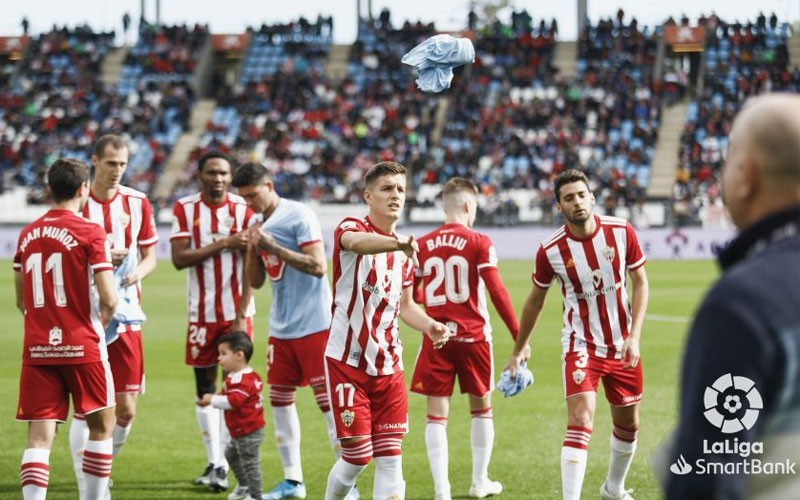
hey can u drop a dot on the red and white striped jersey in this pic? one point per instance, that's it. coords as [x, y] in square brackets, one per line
[57, 256]
[129, 224]
[593, 276]
[451, 259]
[366, 302]
[215, 285]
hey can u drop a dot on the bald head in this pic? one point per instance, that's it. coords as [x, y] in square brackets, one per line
[762, 171]
[769, 128]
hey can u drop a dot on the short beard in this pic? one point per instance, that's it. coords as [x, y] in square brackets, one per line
[578, 221]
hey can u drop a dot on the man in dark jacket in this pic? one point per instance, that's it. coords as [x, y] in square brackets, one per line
[739, 430]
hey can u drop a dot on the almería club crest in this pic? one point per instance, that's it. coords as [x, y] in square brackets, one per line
[609, 253]
[347, 417]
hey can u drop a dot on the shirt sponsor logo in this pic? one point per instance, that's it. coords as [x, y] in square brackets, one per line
[56, 351]
[274, 266]
[383, 293]
[600, 291]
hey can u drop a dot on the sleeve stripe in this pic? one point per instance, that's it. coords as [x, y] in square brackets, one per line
[541, 285]
[177, 236]
[487, 264]
[307, 243]
[17, 266]
[102, 266]
[637, 264]
[148, 242]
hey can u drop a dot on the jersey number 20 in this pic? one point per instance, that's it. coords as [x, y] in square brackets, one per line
[454, 273]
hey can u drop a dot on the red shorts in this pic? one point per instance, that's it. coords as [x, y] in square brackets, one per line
[435, 371]
[44, 390]
[364, 405]
[582, 372]
[126, 357]
[297, 362]
[201, 342]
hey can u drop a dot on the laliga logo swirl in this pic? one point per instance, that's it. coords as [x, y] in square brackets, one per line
[732, 403]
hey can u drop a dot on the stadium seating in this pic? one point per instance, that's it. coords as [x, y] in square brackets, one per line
[741, 60]
[54, 106]
[512, 120]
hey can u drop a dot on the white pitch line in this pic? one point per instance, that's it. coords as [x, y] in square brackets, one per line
[667, 319]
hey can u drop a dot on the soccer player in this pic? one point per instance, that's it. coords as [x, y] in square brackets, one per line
[744, 345]
[373, 275]
[210, 237]
[59, 259]
[456, 265]
[127, 218]
[590, 256]
[292, 254]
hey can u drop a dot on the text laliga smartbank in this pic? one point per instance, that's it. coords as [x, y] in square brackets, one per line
[732, 404]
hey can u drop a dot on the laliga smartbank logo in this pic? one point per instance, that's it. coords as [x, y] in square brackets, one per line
[731, 404]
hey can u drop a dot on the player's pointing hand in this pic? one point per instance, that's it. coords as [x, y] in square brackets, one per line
[409, 246]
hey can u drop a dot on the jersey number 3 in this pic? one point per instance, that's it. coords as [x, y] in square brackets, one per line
[454, 273]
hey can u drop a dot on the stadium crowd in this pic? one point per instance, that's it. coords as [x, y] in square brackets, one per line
[741, 60]
[511, 120]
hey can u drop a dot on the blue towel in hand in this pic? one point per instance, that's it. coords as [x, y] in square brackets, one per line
[435, 59]
[513, 387]
[127, 312]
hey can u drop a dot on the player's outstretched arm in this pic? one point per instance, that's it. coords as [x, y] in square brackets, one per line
[413, 315]
[184, 256]
[500, 298]
[531, 311]
[310, 260]
[107, 293]
[641, 294]
[370, 243]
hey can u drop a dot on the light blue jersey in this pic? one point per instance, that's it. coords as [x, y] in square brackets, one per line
[301, 303]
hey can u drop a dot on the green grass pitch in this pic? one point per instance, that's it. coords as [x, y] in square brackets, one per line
[164, 452]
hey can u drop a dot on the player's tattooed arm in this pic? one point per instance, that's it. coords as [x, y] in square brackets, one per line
[310, 260]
